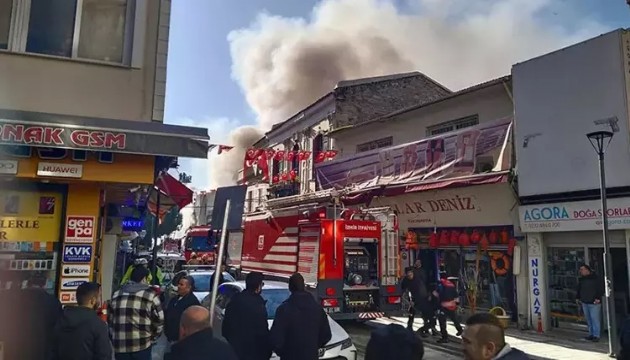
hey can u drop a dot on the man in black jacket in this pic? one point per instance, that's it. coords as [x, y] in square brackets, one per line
[80, 334]
[245, 322]
[416, 287]
[28, 321]
[393, 342]
[301, 326]
[589, 294]
[176, 307]
[196, 339]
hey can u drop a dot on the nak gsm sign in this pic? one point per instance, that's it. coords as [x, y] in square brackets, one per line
[80, 229]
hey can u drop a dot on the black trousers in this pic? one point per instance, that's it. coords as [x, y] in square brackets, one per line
[428, 318]
[444, 314]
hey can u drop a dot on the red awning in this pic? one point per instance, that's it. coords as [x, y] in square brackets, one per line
[172, 193]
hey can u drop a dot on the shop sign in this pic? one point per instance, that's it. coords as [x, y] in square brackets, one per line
[59, 136]
[574, 216]
[8, 167]
[30, 216]
[68, 297]
[72, 283]
[75, 270]
[132, 224]
[77, 253]
[534, 266]
[482, 205]
[80, 229]
[60, 170]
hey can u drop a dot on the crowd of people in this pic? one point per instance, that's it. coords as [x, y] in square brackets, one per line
[136, 318]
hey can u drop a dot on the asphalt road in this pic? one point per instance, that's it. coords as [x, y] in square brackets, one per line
[360, 334]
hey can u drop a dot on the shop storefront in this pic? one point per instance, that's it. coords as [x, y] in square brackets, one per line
[469, 234]
[60, 175]
[560, 238]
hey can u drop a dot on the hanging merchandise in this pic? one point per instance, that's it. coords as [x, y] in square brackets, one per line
[505, 237]
[493, 237]
[284, 176]
[484, 242]
[270, 153]
[292, 174]
[464, 239]
[511, 245]
[433, 240]
[412, 240]
[330, 154]
[454, 237]
[475, 237]
[275, 179]
[444, 238]
[500, 264]
[290, 155]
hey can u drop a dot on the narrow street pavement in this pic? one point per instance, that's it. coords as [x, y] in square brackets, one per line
[555, 345]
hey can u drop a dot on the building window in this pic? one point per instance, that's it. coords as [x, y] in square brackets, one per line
[5, 22]
[82, 29]
[376, 144]
[102, 35]
[453, 125]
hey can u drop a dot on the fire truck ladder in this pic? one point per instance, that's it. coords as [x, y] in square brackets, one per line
[389, 246]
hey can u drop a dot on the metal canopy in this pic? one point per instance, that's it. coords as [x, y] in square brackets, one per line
[98, 134]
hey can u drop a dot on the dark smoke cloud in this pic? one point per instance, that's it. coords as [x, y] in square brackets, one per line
[284, 64]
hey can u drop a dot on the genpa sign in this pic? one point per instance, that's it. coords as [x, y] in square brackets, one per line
[80, 229]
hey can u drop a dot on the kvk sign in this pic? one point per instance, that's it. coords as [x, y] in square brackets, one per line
[80, 229]
[77, 253]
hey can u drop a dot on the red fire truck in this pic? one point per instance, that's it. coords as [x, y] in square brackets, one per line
[199, 240]
[349, 258]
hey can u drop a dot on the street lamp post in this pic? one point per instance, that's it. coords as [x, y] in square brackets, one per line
[600, 141]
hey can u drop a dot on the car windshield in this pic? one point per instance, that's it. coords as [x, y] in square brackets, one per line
[274, 297]
[202, 280]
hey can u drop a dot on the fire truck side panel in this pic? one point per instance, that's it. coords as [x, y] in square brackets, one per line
[331, 268]
[309, 252]
[270, 244]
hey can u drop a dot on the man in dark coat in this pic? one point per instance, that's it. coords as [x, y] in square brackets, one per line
[28, 321]
[449, 300]
[196, 339]
[245, 321]
[301, 326]
[589, 293]
[80, 334]
[416, 287]
[176, 307]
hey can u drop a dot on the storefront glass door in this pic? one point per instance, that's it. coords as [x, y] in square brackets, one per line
[563, 265]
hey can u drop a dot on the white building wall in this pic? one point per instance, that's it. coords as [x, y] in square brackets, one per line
[131, 90]
[489, 104]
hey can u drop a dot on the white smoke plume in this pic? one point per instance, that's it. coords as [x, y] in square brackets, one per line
[284, 64]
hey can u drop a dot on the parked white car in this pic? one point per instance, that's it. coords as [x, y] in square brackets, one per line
[275, 293]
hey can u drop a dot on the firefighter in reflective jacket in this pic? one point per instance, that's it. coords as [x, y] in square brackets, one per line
[142, 262]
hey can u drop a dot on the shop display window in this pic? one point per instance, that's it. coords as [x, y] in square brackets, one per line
[21, 262]
[563, 265]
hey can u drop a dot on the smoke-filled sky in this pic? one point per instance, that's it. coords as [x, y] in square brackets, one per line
[254, 63]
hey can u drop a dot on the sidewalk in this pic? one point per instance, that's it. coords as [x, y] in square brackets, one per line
[556, 345]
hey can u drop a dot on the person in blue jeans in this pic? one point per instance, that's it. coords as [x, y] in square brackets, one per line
[589, 293]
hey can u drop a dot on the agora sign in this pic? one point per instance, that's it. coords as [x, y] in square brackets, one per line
[19, 134]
